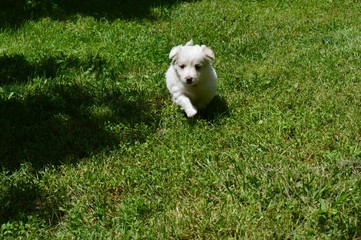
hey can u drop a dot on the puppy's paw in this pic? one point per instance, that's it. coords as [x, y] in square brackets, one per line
[191, 112]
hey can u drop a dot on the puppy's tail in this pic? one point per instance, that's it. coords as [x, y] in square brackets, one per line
[190, 43]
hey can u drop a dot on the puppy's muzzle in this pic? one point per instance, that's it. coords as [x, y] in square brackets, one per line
[189, 80]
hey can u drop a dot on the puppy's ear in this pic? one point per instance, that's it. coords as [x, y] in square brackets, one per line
[174, 52]
[190, 43]
[208, 52]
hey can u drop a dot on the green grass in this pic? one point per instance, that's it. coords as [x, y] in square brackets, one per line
[92, 147]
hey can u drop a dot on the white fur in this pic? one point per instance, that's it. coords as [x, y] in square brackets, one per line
[190, 78]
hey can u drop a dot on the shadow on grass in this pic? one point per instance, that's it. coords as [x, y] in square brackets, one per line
[15, 12]
[15, 69]
[22, 197]
[216, 109]
[50, 129]
[61, 121]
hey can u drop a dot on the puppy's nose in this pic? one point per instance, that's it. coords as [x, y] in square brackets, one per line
[189, 80]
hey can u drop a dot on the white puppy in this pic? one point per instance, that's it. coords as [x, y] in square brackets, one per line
[191, 79]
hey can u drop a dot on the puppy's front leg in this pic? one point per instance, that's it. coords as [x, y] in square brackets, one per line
[186, 105]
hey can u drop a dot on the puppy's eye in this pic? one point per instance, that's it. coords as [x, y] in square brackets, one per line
[198, 66]
[182, 66]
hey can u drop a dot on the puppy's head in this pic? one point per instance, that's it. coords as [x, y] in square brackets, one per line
[191, 61]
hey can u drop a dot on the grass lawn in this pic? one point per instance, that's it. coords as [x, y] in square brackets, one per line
[92, 147]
